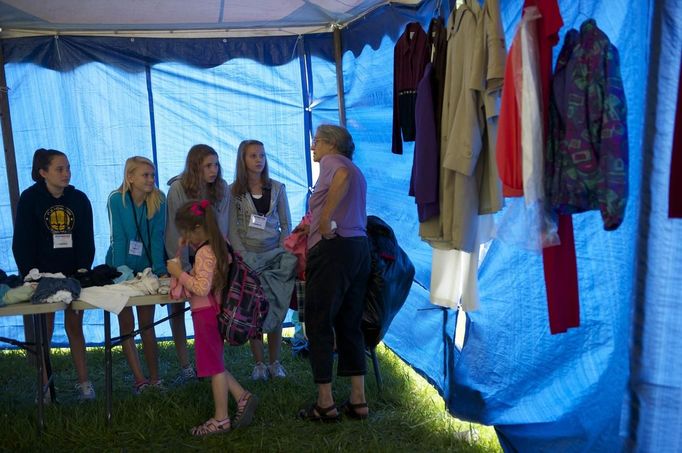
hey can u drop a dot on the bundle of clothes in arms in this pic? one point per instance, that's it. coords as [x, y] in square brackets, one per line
[499, 132]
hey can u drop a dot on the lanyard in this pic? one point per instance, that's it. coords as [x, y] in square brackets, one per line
[137, 227]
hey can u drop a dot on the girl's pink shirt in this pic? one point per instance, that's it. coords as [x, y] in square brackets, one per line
[197, 284]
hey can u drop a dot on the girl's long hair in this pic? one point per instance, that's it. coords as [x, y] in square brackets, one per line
[192, 177]
[201, 213]
[241, 175]
[154, 198]
[42, 159]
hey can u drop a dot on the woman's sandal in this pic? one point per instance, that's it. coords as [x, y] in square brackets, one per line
[246, 408]
[211, 426]
[315, 413]
[350, 410]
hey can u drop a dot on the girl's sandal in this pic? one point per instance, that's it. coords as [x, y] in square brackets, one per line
[315, 413]
[246, 408]
[210, 427]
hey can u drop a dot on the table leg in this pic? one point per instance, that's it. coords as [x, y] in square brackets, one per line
[108, 387]
[45, 341]
[39, 362]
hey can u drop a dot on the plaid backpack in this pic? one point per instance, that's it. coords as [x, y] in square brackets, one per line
[243, 305]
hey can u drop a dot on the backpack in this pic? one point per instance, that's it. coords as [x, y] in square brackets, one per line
[389, 283]
[243, 305]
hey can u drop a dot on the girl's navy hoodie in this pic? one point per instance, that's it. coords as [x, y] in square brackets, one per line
[39, 216]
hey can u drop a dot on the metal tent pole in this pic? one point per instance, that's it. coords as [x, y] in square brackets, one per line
[338, 57]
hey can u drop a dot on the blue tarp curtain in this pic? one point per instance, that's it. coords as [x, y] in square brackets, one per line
[100, 114]
[542, 392]
[655, 384]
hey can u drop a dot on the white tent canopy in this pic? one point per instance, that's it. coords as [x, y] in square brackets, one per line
[181, 18]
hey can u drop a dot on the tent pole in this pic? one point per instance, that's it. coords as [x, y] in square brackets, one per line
[306, 89]
[152, 121]
[339, 76]
[8, 139]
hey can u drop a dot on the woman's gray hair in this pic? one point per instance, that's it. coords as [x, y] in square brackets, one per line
[338, 137]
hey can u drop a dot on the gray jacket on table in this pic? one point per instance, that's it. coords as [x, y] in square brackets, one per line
[278, 225]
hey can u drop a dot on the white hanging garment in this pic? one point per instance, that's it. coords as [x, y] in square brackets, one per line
[524, 222]
[530, 110]
[454, 273]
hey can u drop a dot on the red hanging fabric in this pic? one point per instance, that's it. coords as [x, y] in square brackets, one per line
[561, 273]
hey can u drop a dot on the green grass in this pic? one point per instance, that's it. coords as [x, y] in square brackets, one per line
[408, 415]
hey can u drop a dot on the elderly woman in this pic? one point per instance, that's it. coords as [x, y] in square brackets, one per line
[337, 272]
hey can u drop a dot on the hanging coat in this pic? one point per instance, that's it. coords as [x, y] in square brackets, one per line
[461, 140]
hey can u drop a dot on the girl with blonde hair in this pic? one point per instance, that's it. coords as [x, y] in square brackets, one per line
[137, 220]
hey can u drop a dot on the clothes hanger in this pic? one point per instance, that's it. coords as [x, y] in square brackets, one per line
[581, 13]
[437, 10]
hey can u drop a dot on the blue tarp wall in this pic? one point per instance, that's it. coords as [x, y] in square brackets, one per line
[102, 100]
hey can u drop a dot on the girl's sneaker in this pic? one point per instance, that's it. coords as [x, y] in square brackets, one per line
[140, 387]
[159, 386]
[86, 392]
[276, 370]
[260, 372]
[185, 375]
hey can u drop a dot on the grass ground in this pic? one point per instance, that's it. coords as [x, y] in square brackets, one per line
[408, 415]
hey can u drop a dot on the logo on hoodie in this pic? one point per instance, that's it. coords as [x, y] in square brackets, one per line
[59, 219]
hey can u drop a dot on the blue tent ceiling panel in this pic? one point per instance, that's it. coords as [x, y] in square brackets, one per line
[63, 53]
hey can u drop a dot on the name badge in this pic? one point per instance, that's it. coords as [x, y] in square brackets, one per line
[62, 241]
[258, 221]
[135, 248]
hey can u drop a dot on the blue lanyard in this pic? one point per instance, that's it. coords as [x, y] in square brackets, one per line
[137, 227]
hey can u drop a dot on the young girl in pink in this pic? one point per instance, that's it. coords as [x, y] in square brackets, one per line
[198, 227]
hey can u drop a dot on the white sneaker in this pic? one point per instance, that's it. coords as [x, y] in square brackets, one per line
[86, 391]
[260, 372]
[276, 370]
